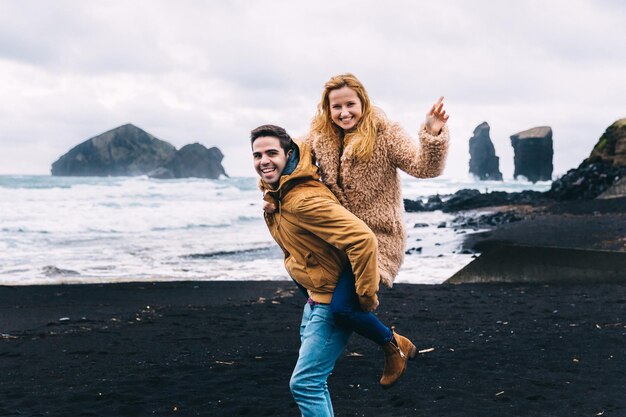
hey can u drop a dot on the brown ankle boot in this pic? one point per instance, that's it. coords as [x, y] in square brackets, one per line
[397, 351]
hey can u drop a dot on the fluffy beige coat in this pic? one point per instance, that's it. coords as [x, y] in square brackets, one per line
[371, 189]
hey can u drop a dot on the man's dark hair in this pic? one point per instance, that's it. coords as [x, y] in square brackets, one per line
[274, 131]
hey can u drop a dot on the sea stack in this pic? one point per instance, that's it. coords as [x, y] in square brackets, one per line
[484, 164]
[533, 153]
[124, 151]
[193, 160]
[129, 151]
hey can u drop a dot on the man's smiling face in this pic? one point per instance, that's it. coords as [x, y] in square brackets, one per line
[269, 159]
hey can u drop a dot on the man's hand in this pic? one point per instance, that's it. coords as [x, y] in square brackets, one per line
[269, 207]
[436, 118]
[368, 303]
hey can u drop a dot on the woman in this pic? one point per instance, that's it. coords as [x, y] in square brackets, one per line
[359, 152]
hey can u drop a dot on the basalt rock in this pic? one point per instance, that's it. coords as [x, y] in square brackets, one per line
[471, 199]
[412, 206]
[129, 151]
[617, 190]
[489, 220]
[196, 160]
[604, 167]
[123, 151]
[193, 160]
[611, 148]
[586, 182]
[461, 199]
[533, 153]
[468, 199]
[434, 203]
[484, 164]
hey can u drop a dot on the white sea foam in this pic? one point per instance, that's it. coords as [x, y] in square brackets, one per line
[136, 229]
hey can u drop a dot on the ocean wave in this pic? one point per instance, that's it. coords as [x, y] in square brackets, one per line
[250, 218]
[191, 226]
[52, 271]
[226, 253]
[24, 230]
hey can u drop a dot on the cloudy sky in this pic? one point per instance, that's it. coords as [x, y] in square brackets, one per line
[210, 71]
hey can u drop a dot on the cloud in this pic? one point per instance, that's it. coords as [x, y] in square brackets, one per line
[211, 71]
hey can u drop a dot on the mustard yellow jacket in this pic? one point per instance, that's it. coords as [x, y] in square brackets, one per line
[318, 236]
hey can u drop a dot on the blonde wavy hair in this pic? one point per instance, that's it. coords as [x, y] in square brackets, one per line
[364, 135]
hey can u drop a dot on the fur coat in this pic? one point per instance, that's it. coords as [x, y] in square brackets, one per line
[371, 189]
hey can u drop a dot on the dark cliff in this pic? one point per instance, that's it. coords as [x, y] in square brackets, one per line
[611, 147]
[597, 174]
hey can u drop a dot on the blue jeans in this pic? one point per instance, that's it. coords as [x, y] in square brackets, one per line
[322, 343]
[347, 311]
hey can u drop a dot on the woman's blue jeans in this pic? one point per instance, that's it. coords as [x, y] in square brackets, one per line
[348, 313]
[322, 343]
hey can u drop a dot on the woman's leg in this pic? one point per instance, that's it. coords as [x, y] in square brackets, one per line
[347, 312]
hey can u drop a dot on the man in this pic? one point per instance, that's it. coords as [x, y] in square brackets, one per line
[320, 239]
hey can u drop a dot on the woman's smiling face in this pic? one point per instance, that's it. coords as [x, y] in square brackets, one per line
[345, 107]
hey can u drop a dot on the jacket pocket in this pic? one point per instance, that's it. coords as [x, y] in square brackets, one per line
[317, 274]
[298, 272]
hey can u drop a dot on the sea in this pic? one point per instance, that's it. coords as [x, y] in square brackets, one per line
[80, 230]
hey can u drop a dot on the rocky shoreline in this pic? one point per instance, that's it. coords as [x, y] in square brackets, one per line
[584, 183]
[532, 236]
[596, 177]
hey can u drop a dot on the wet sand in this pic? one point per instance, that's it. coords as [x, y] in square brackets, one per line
[227, 349]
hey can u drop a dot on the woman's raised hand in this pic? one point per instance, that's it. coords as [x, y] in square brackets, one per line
[436, 118]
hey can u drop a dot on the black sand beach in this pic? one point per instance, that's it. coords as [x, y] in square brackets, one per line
[227, 349]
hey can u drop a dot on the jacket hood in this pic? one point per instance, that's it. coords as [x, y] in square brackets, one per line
[304, 170]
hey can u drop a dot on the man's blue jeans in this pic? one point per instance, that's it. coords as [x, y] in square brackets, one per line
[347, 310]
[322, 343]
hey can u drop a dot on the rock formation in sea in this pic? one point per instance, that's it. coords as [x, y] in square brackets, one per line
[484, 164]
[193, 160]
[604, 167]
[123, 151]
[129, 151]
[533, 153]
[469, 199]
